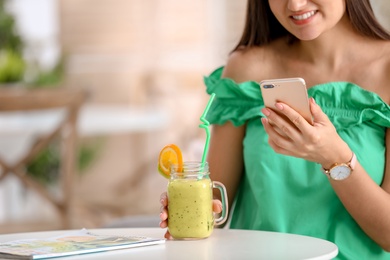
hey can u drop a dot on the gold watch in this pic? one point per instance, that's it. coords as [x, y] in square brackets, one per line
[340, 171]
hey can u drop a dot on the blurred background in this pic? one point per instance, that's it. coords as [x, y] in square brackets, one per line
[141, 64]
[144, 60]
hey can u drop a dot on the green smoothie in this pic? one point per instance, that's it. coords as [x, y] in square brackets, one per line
[190, 208]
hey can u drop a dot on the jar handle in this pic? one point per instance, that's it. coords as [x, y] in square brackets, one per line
[224, 198]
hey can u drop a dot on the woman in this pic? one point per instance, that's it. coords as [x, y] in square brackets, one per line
[273, 171]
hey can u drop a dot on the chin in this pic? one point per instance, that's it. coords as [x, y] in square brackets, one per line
[308, 37]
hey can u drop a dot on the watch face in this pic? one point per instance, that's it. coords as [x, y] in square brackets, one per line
[340, 172]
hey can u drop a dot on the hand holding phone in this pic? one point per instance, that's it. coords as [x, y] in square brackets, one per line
[291, 91]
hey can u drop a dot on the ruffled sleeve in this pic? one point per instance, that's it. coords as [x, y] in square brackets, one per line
[347, 105]
[234, 102]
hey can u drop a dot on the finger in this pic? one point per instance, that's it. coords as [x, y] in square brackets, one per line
[295, 118]
[277, 129]
[318, 115]
[281, 124]
[163, 214]
[278, 149]
[273, 136]
[217, 206]
[163, 224]
[164, 218]
[164, 199]
[168, 236]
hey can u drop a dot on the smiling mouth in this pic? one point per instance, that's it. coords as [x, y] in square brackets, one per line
[304, 16]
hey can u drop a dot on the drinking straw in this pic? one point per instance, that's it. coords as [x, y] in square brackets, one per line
[206, 125]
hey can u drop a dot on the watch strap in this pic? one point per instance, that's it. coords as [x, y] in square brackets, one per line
[352, 162]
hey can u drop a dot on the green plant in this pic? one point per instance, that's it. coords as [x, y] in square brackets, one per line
[12, 64]
[9, 39]
[49, 78]
[45, 167]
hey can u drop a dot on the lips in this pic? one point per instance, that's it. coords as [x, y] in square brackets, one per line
[304, 16]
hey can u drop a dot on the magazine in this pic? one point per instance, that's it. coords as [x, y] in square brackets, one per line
[71, 243]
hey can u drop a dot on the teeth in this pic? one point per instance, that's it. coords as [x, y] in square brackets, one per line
[304, 16]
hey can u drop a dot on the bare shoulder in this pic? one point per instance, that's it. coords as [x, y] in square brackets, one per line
[382, 71]
[386, 56]
[248, 64]
[371, 68]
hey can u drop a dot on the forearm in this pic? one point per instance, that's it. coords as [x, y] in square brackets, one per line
[367, 203]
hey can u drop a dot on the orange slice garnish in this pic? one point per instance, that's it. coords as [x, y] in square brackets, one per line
[170, 154]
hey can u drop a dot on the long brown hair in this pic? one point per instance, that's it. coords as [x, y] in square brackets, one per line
[262, 27]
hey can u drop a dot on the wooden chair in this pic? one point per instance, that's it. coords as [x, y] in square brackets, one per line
[14, 100]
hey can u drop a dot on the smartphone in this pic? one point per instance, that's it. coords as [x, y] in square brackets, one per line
[291, 91]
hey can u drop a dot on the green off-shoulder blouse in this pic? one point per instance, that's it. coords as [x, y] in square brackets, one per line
[291, 195]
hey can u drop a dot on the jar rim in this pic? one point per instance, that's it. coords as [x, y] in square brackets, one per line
[191, 168]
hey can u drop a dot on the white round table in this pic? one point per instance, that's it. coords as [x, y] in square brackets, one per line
[222, 244]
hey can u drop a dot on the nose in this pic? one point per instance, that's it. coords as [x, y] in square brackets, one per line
[296, 5]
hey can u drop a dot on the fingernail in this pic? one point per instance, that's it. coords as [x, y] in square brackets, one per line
[265, 111]
[313, 100]
[279, 106]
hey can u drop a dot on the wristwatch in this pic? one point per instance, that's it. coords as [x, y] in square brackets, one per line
[340, 171]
